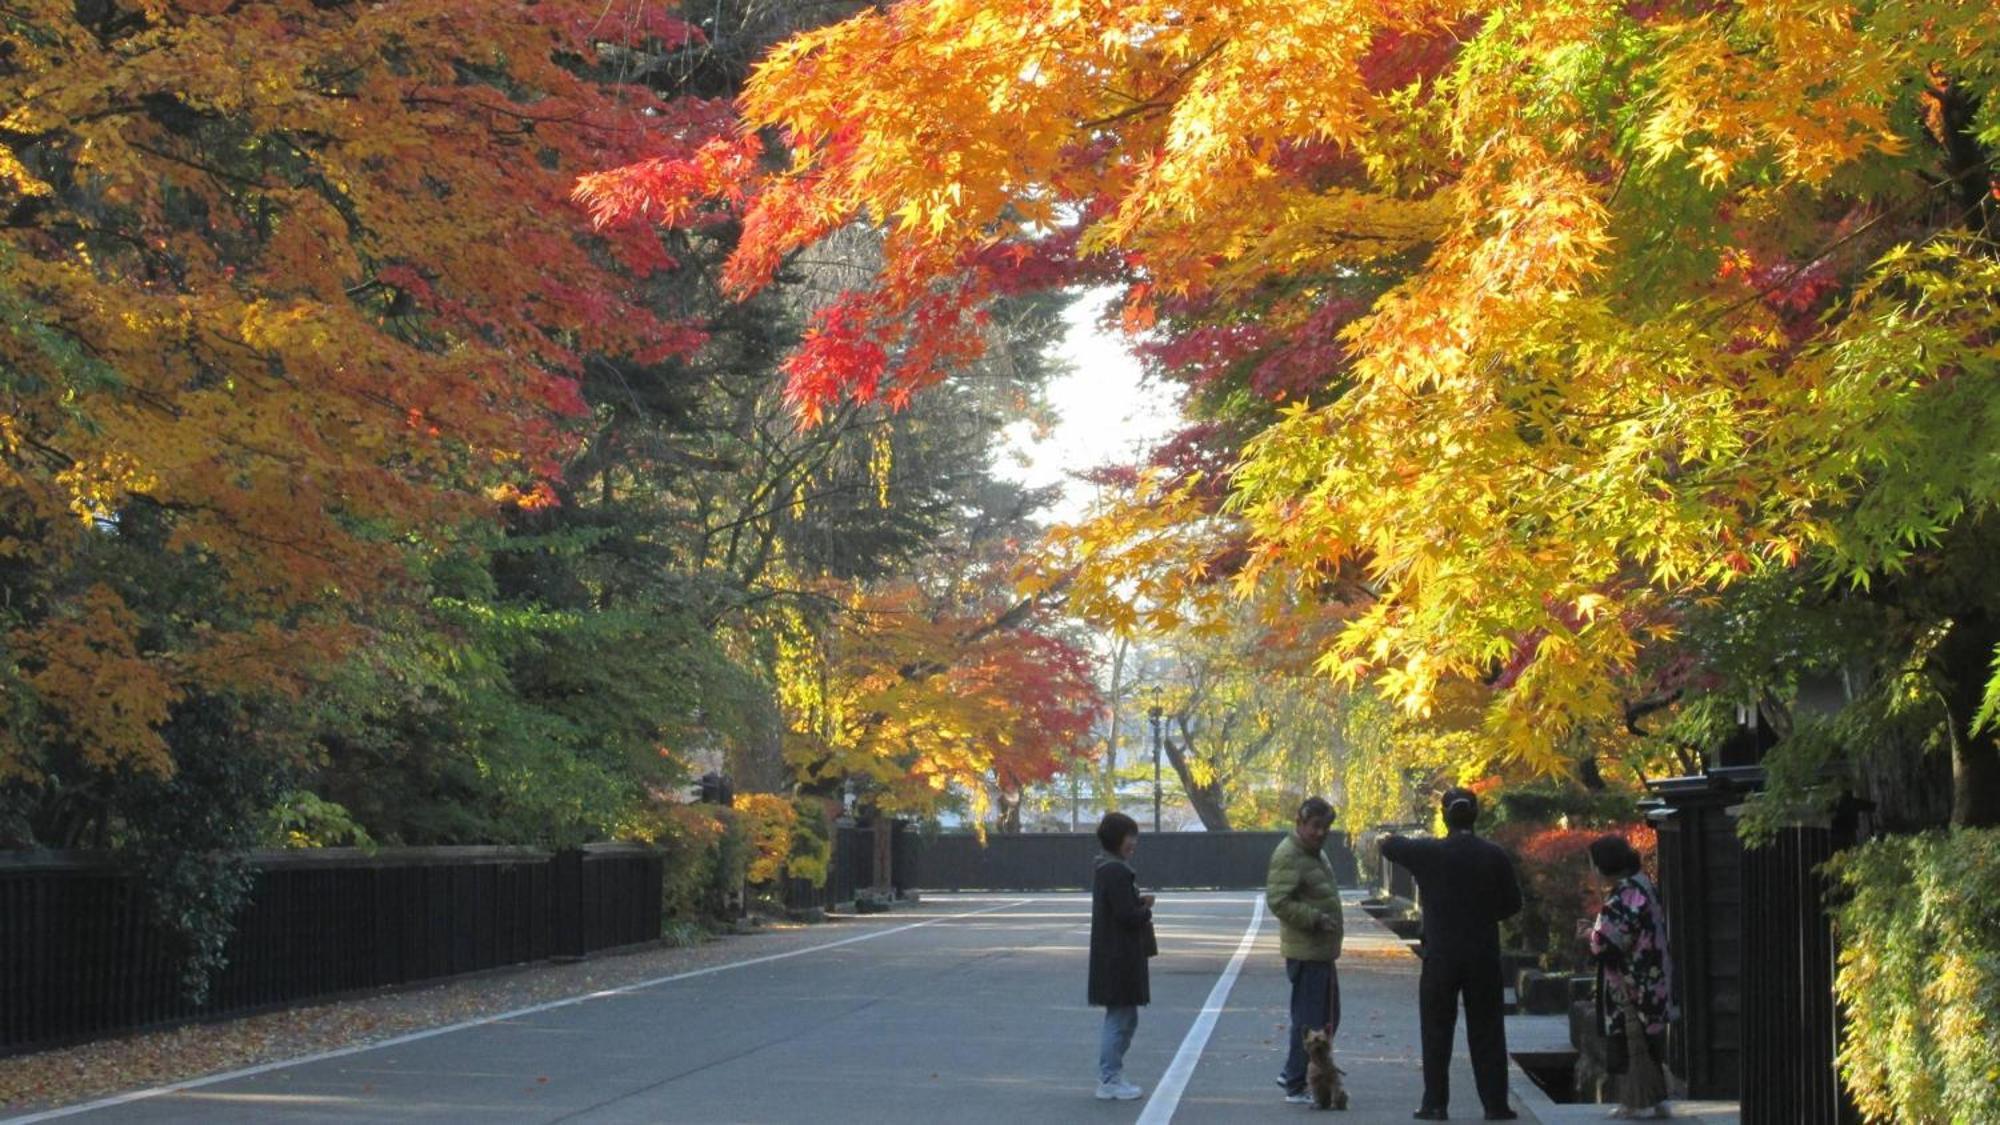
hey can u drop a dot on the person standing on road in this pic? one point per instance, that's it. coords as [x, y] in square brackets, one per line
[1305, 897]
[1121, 938]
[1635, 979]
[1466, 886]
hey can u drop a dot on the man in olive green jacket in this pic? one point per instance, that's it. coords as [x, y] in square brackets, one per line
[1303, 893]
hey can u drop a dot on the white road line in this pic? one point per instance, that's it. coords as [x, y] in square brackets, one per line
[431, 1033]
[1167, 1094]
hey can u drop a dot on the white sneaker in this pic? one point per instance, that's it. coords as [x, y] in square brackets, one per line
[1120, 1091]
[1301, 1098]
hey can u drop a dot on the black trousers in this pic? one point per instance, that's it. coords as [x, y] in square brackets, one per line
[1477, 979]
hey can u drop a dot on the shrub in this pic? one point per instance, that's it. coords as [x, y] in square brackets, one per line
[1545, 804]
[1920, 975]
[788, 836]
[769, 820]
[302, 819]
[812, 843]
[705, 851]
[1558, 887]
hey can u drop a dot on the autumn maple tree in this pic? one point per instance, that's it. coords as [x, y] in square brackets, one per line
[358, 491]
[285, 284]
[1576, 316]
[938, 691]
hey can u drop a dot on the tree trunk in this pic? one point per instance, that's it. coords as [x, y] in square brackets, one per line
[1206, 799]
[1587, 774]
[1909, 788]
[1965, 661]
[1009, 823]
[1107, 782]
[1950, 113]
[757, 760]
[1975, 784]
[1074, 766]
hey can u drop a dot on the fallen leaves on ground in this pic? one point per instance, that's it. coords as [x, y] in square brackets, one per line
[158, 1058]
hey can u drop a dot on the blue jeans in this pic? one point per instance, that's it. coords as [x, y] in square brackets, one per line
[1315, 1003]
[1119, 1024]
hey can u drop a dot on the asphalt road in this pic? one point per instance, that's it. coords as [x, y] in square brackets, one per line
[964, 1009]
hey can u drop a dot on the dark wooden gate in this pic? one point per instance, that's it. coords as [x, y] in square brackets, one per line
[1789, 1013]
[849, 868]
[1754, 953]
[1701, 878]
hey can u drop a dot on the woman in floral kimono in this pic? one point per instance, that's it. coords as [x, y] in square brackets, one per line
[1629, 942]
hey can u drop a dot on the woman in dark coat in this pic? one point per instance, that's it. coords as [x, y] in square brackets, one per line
[1121, 938]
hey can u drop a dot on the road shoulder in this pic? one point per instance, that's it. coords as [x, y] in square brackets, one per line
[107, 1067]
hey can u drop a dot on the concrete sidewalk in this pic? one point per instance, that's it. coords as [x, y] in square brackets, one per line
[1551, 1033]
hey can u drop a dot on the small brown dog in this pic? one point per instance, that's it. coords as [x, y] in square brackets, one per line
[1322, 1077]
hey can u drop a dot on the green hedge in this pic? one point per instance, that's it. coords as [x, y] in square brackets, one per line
[1920, 976]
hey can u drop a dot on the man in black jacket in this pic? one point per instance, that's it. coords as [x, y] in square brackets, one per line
[1466, 886]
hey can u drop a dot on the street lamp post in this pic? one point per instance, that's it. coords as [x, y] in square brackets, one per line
[1154, 713]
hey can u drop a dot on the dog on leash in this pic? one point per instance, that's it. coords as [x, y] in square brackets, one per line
[1322, 1077]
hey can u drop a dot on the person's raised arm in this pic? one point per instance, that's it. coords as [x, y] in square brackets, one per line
[1402, 849]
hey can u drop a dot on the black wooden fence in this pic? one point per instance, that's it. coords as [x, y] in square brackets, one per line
[1754, 953]
[1790, 1018]
[78, 956]
[1054, 861]
[1701, 878]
